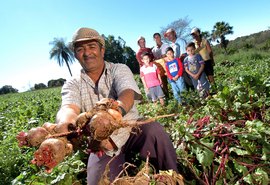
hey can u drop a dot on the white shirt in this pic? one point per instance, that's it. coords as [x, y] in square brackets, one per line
[159, 51]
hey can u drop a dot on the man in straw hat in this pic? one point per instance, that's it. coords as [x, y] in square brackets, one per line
[100, 79]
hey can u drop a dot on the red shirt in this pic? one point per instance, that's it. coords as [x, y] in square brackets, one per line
[140, 52]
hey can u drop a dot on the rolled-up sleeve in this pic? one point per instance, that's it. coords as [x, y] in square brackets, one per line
[71, 93]
[124, 79]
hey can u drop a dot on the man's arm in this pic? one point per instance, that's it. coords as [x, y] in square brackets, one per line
[66, 115]
[209, 49]
[197, 76]
[126, 100]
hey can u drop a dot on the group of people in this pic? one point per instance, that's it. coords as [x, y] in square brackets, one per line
[183, 65]
[100, 79]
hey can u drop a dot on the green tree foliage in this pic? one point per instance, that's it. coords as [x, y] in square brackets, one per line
[8, 89]
[130, 60]
[219, 31]
[40, 86]
[117, 52]
[206, 35]
[56, 83]
[61, 53]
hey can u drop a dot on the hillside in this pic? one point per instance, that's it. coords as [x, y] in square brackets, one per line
[259, 41]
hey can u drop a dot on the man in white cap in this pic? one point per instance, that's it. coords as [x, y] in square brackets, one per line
[178, 44]
[100, 79]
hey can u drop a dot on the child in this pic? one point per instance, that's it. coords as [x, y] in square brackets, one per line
[174, 69]
[194, 66]
[151, 78]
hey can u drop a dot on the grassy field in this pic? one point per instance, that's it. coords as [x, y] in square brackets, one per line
[224, 139]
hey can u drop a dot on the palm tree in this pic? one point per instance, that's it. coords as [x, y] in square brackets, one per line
[220, 30]
[206, 35]
[61, 53]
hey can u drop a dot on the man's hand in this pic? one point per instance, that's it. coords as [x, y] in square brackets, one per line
[107, 145]
[100, 147]
[64, 127]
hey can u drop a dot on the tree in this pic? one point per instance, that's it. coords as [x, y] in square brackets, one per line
[56, 83]
[40, 86]
[8, 89]
[114, 49]
[181, 27]
[219, 31]
[130, 60]
[117, 52]
[61, 53]
[206, 35]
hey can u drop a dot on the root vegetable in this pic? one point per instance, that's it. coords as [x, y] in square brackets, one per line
[37, 135]
[51, 152]
[22, 139]
[50, 127]
[143, 177]
[171, 178]
[102, 125]
[33, 137]
[115, 114]
[98, 123]
[105, 104]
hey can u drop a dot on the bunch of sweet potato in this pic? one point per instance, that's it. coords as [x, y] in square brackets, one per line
[51, 150]
[98, 124]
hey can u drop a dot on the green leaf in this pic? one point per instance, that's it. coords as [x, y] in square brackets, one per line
[204, 156]
[238, 151]
[261, 177]
[240, 168]
[266, 152]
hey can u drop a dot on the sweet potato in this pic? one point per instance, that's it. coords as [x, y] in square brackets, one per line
[50, 127]
[51, 152]
[33, 137]
[102, 125]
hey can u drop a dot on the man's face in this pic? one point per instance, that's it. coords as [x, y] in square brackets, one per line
[141, 43]
[195, 36]
[171, 36]
[157, 39]
[90, 55]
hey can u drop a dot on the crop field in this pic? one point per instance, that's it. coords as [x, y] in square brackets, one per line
[224, 139]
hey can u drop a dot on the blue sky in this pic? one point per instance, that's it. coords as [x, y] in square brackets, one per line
[27, 27]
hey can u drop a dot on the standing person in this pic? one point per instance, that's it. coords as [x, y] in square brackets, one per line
[159, 52]
[194, 66]
[151, 79]
[178, 44]
[205, 50]
[174, 68]
[100, 79]
[179, 48]
[142, 48]
[142, 44]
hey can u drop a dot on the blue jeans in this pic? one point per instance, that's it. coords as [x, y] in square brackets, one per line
[178, 87]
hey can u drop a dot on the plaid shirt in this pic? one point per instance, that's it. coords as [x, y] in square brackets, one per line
[84, 93]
